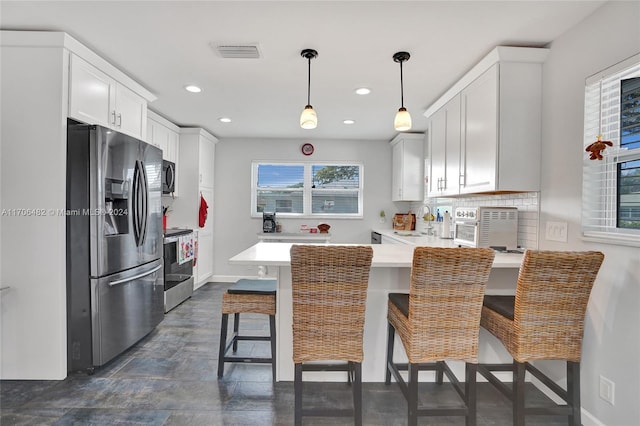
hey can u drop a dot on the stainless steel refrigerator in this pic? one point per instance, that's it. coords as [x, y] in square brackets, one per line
[115, 284]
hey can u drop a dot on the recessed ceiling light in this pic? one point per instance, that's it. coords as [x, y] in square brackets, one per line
[224, 120]
[349, 121]
[363, 91]
[193, 89]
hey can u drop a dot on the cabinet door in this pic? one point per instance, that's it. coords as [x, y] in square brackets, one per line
[444, 130]
[91, 94]
[131, 112]
[480, 133]
[172, 146]
[206, 163]
[396, 172]
[438, 157]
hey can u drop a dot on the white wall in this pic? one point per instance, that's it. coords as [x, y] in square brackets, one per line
[235, 230]
[611, 345]
[33, 133]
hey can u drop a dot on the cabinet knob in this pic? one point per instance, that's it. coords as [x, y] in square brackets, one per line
[119, 120]
[113, 117]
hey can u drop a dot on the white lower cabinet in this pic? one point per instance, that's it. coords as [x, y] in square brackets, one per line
[388, 240]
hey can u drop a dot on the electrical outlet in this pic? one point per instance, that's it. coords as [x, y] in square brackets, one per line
[607, 389]
[557, 231]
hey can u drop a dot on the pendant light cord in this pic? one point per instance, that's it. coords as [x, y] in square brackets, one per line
[401, 87]
[309, 84]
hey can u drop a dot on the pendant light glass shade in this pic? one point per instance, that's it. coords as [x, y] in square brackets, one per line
[402, 122]
[309, 118]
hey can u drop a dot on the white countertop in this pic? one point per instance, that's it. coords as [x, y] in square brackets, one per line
[384, 255]
[415, 238]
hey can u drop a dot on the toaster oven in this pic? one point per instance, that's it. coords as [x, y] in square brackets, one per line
[495, 227]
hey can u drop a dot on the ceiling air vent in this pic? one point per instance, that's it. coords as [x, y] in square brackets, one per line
[238, 51]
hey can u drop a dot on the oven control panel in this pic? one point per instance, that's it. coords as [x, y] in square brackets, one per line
[466, 213]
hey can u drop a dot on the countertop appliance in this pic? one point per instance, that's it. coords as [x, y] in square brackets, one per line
[178, 267]
[115, 283]
[376, 238]
[486, 227]
[268, 222]
[168, 177]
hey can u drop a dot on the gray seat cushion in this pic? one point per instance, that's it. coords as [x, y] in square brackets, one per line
[401, 300]
[246, 286]
[504, 305]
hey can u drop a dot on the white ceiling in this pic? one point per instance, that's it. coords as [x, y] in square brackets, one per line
[166, 45]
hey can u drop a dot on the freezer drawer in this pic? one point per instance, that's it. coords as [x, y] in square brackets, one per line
[125, 307]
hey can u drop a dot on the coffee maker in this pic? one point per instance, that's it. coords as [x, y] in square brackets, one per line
[268, 222]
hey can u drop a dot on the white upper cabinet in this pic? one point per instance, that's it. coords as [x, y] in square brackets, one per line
[444, 143]
[163, 134]
[407, 167]
[96, 98]
[498, 124]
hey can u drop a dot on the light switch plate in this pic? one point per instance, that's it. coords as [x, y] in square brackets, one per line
[557, 231]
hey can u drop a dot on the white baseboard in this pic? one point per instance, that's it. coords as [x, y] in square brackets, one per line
[588, 419]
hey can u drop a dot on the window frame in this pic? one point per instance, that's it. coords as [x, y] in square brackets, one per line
[307, 190]
[600, 177]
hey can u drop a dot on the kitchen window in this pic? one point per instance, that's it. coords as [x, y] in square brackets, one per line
[307, 189]
[611, 186]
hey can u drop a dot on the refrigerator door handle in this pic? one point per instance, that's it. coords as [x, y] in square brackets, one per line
[135, 194]
[139, 203]
[135, 277]
[145, 204]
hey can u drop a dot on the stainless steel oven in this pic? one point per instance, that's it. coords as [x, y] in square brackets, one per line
[178, 267]
[495, 227]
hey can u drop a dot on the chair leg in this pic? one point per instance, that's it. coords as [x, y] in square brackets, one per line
[519, 370]
[297, 390]
[573, 392]
[390, 342]
[470, 393]
[412, 400]
[272, 332]
[357, 393]
[236, 326]
[223, 344]
[439, 372]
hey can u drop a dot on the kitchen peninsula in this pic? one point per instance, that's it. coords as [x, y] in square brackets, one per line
[390, 272]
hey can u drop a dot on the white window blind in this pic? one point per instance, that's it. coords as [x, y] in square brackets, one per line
[327, 190]
[600, 177]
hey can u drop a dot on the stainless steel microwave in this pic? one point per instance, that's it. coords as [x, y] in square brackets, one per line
[168, 177]
[486, 227]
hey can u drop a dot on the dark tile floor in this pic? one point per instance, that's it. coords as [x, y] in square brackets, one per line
[170, 378]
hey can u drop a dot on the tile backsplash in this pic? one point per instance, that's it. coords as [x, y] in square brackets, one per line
[528, 211]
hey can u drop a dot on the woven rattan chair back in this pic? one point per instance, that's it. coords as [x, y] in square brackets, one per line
[445, 301]
[329, 285]
[551, 300]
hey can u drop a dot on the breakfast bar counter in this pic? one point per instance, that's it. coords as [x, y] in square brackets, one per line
[390, 272]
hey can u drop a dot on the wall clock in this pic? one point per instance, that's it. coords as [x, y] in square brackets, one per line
[307, 149]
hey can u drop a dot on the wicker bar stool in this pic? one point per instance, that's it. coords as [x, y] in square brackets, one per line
[439, 320]
[545, 320]
[329, 285]
[248, 296]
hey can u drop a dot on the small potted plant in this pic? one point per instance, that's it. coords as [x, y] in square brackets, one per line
[383, 216]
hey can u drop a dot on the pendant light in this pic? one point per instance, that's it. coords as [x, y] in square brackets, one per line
[308, 118]
[402, 121]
